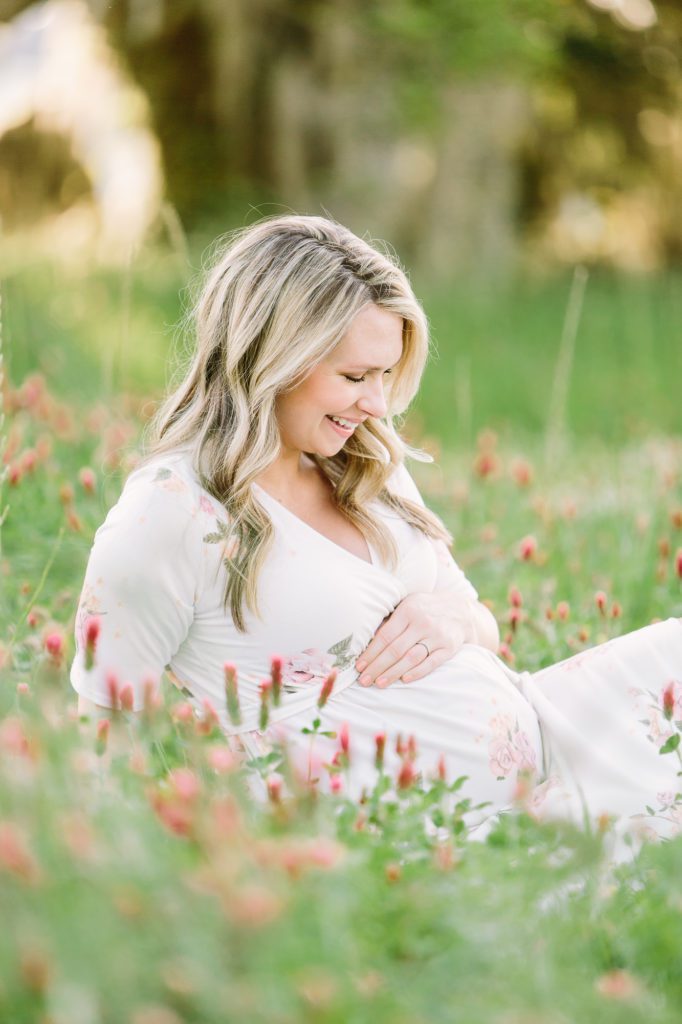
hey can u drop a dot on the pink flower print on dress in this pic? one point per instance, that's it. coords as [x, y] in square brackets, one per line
[524, 751]
[540, 793]
[311, 666]
[170, 481]
[509, 747]
[501, 725]
[501, 755]
[670, 809]
[579, 660]
[659, 712]
[658, 729]
[206, 506]
[306, 667]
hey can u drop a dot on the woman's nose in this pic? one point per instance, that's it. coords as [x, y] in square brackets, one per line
[373, 400]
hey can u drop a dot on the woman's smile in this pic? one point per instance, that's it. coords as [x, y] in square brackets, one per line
[355, 373]
[342, 426]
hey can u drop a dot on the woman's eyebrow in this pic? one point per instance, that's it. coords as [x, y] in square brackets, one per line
[369, 369]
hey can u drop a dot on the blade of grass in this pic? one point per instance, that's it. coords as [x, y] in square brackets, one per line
[555, 434]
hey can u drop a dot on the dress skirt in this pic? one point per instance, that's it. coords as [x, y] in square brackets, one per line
[579, 740]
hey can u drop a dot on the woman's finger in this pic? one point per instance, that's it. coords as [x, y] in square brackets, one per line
[415, 658]
[406, 617]
[388, 657]
[388, 631]
[434, 660]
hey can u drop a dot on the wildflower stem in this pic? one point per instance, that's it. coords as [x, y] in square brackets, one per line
[21, 624]
[310, 757]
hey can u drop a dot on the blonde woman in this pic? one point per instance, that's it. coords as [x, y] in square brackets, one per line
[274, 515]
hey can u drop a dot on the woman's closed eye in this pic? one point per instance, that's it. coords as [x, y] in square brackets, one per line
[359, 380]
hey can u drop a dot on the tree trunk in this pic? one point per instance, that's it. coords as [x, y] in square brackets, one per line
[470, 225]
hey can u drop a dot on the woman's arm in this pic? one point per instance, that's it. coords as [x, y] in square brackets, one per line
[479, 623]
[143, 576]
[439, 621]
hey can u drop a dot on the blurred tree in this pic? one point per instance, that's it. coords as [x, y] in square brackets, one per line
[423, 120]
[399, 115]
[608, 125]
[449, 127]
[51, 179]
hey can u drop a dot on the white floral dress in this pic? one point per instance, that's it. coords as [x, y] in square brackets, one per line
[587, 729]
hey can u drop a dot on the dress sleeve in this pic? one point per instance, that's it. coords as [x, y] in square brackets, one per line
[142, 582]
[449, 576]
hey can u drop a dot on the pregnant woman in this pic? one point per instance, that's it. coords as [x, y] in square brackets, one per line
[274, 515]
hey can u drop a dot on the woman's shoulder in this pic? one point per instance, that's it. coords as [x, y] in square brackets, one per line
[169, 484]
[172, 471]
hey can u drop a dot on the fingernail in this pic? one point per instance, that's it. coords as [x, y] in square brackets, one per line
[360, 665]
[365, 680]
[382, 680]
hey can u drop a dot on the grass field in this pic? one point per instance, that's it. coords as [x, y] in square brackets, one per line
[494, 358]
[156, 892]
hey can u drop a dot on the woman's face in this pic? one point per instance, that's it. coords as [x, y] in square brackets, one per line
[348, 383]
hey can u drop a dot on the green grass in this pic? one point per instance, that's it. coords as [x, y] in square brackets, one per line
[497, 357]
[495, 354]
[111, 915]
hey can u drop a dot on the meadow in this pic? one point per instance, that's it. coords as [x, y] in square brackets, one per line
[139, 881]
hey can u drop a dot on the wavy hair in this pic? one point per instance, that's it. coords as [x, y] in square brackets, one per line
[279, 296]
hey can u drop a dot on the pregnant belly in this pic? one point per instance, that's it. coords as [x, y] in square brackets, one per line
[467, 711]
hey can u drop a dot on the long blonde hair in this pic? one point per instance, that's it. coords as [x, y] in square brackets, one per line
[278, 298]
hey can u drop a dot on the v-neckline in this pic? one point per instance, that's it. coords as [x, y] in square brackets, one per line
[374, 563]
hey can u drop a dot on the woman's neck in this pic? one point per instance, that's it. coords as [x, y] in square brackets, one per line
[289, 479]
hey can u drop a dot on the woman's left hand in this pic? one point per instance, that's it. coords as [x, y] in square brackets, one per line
[437, 623]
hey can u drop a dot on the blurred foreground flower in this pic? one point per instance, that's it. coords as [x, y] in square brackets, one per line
[527, 547]
[87, 479]
[102, 736]
[668, 701]
[326, 689]
[54, 645]
[521, 472]
[231, 693]
[506, 653]
[15, 854]
[92, 631]
[222, 760]
[619, 985]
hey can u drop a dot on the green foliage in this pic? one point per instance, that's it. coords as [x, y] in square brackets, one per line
[150, 888]
[497, 36]
[158, 890]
